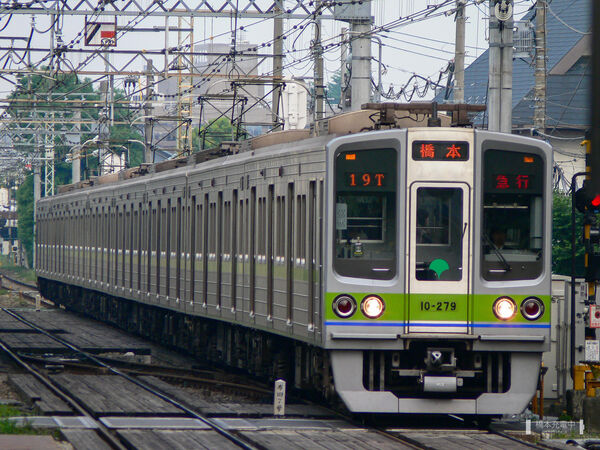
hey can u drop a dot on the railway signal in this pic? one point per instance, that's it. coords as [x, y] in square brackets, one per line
[586, 201]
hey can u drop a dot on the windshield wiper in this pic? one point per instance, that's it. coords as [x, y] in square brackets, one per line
[501, 258]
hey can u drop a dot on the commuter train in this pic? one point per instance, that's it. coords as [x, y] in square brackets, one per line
[408, 268]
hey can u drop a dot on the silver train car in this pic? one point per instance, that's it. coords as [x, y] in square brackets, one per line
[408, 269]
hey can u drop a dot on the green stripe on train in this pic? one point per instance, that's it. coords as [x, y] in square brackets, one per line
[446, 307]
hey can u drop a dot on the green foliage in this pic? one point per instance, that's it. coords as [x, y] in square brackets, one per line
[120, 135]
[42, 97]
[565, 417]
[334, 88]
[48, 94]
[215, 132]
[9, 427]
[18, 272]
[25, 217]
[561, 237]
[9, 411]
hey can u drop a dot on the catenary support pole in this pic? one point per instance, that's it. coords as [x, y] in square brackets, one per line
[361, 63]
[459, 53]
[539, 112]
[148, 153]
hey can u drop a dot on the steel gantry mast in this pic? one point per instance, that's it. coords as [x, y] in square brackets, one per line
[55, 120]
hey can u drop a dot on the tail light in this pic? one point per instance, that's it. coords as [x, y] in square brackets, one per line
[344, 306]
[504, 308]
[532, 308]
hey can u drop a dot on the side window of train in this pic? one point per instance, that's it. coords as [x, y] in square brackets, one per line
[365, 213]
[513, 203]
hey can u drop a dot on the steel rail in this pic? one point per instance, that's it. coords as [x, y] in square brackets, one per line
[222, 431]
[103, 430]
[19, 282]
[158, 371]
[512, 438]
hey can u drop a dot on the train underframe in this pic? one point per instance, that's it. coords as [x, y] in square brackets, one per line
[434, 377]
[461, 382]
[262, 354]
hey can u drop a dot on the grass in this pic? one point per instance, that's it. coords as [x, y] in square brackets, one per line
[9, 427]
[21, 273]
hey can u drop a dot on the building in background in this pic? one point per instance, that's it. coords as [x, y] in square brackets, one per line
[568, 70]
[213, 97]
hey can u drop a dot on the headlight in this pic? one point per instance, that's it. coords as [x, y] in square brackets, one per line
[372, 306]
[344, 306]
[504, 308]
[532, 308]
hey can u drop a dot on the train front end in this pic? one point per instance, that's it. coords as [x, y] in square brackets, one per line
[438, 270]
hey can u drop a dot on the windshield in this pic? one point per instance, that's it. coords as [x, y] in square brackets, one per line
[512, 215]
[439, 234]
[365, 213]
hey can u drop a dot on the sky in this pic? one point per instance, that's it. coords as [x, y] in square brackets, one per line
[423, 47]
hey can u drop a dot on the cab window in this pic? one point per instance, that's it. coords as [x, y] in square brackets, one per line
[512, 231]
[365, 213]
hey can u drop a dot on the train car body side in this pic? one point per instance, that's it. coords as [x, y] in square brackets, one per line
[381, 250]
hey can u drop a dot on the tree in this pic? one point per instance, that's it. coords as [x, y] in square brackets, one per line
[25, 217]
[561, 237]
[39, 97]
[334, 88]
[215, 132]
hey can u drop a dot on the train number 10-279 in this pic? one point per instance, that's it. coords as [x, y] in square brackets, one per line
[438, 306]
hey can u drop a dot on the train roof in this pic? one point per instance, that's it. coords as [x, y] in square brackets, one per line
[372, 117]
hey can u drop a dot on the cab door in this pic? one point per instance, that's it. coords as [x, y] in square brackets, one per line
[438, 243]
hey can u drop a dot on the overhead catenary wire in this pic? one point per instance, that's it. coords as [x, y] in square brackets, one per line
[302, 63]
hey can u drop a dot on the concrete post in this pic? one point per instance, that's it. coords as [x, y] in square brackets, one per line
[507, 75]
[361, 63]
[459, 53]
[318, 72]
[494, 72]
[148, 153]
[76, 155]
[277, 70]
[539, 113]
[343, 71]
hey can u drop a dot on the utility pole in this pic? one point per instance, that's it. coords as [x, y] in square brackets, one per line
[500, 66]
[184, 85]
[494, 72]
[277, 69]
[148, 152]
[318, 56]
[104, 123]
[103, 132]
[36, 165]
[49, 116]
[539, 113]
[459, 53]
[595, 98]
[507, 73]
[344, 82]
[76, 156]
[361, 62]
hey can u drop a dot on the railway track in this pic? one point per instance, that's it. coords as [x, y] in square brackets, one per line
[258, 431]
[84, 409]
[14, 283]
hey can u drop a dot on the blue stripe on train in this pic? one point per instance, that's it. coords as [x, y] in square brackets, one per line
[421, 324]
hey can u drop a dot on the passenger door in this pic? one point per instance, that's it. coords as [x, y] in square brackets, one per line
[438, 238]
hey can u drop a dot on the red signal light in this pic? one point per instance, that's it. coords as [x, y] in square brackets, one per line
[596, 200]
